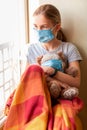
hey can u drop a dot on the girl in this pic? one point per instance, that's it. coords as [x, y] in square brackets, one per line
[47, 24]
[30, 107]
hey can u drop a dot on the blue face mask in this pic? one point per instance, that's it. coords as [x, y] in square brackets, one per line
[44, 35]
[54, 63]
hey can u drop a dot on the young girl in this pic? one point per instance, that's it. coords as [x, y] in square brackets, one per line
[29, 107]
[47, 24]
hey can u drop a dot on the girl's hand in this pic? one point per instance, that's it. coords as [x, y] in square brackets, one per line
[38, 60]
[48, 70]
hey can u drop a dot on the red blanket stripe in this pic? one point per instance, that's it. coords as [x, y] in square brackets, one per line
[29, 107]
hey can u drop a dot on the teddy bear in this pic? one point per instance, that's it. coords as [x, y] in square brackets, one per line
[58, 62]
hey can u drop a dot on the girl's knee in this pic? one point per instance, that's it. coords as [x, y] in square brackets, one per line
[35, 68]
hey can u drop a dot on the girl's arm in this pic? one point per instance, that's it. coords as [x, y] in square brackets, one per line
[65, 78]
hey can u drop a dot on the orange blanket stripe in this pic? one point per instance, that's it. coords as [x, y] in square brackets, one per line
[29, 107]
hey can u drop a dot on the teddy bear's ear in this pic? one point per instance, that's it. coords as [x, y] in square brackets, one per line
[61, 56]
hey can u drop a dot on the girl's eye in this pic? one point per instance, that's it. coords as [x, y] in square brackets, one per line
[34, 27]
[45, 27]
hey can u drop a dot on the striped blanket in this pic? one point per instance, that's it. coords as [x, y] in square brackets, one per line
[29, 107]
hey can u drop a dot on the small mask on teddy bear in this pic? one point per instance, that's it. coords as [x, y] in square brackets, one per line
[58, 62]
[55, 60]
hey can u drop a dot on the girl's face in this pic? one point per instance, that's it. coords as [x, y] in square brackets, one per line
[40, 22]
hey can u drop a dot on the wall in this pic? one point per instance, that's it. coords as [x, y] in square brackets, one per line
[74, 23]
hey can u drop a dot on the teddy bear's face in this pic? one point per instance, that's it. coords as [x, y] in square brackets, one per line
[58, 57]
[50, 56]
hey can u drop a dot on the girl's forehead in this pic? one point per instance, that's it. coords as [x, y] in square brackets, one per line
[41, 19]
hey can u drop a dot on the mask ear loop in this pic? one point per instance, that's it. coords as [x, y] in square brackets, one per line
[53, 27]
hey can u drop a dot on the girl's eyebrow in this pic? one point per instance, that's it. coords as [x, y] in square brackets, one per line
[34, 24]
[42, 24]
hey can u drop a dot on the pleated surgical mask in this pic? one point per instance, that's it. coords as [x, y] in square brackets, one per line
[45, 36]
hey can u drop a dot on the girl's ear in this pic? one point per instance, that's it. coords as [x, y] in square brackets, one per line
[58, 27]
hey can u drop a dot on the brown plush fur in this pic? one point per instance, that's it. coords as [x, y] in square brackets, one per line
[55, 89]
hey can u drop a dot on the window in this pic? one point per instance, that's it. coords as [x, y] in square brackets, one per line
[9, 72]
[30, 6]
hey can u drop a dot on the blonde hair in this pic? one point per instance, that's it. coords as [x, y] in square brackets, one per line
[53, 14]
[50, 12]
